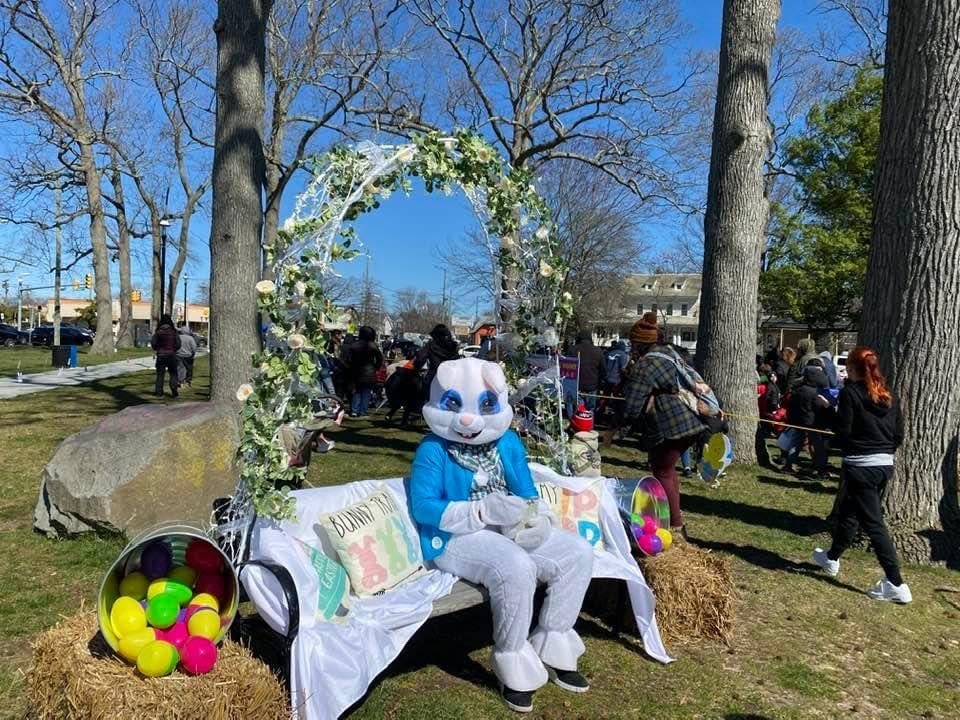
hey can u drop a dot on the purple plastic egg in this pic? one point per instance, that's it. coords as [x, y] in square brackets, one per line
[155, 561]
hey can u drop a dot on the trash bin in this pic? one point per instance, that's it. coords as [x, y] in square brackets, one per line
[61, 356]
[74, 356]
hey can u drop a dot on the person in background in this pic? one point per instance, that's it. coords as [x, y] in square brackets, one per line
[830, 368]
[615, 361]
[592, 370]
[807, 349]
[362, 358]
[768, 400]
[441, 346]
[782, 368]
[185, 355]
[804, 411]
[869, 430]
[651, 389]
[166, 342]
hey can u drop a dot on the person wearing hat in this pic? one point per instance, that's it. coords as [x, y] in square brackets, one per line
[584, 446]
[651, 393]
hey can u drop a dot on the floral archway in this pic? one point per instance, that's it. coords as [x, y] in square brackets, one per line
[348, 182]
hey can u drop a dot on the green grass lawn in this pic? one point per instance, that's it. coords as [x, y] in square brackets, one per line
[40, 359]
[804, 646]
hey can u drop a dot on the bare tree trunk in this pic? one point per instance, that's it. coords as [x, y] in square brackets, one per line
[125, 326]
[736, 214]
[238, 177]
[271, 215]
[156, 244]
[911, 309]
[103, 340]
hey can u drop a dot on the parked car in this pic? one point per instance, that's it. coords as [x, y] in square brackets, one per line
[69, 335]
[10, 336]
[201, 339]
[469, 351]
[841, 362]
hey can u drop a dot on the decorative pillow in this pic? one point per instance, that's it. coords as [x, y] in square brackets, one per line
[578, 512]
[375, 543]
[333, 583]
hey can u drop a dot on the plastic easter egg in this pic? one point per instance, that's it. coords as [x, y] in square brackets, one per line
[649, 526]
[134, 586]
[205, 600]
[162, 610]
[127, 616]
[665, 538]
[179, 590]
[646, 543]
[184, 614]
[212, 585]
[157, 659]
[176, 635]
[132, 643]
[183, 574]
[203, 557]
[198, 655]
[156, 560]
[204, 623]
[656, 544]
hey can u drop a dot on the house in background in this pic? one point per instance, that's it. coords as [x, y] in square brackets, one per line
[674, 297]
[198, 316]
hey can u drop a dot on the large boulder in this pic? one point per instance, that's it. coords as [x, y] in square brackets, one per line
[143, 466]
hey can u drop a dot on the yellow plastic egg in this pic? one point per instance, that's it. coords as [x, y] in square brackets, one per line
[183, 574]
[179, 590]
[157, 659]
[205, 600]
[665, 537]
[134, 586]
[204, 623]
[132, 643]
[127, 616]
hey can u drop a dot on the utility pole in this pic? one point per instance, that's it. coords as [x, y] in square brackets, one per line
[58, 242]
[186, 318]
[365, 301]
[19, 303]
[164, 224]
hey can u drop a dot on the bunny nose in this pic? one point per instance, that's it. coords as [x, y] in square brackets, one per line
[467, 420]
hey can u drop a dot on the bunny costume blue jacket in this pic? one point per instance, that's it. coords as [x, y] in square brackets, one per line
[441, 480]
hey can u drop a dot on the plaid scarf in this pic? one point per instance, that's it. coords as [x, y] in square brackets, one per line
[484, 461]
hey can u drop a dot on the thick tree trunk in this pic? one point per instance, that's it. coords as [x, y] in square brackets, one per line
[911, 310]
[103, 340]
[125, 325]
[238, 177]
[156, 244]
[736, 215]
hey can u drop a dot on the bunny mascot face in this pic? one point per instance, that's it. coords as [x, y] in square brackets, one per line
[480, 518]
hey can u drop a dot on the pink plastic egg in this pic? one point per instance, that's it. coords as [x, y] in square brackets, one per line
[198, 655]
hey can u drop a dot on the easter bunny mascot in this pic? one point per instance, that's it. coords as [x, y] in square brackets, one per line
[480, 518]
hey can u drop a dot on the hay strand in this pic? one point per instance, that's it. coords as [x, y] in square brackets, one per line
[694, 593]
[76, 675]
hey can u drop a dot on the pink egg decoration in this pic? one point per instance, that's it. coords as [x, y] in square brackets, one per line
[177, 635]
[213, 584]
[646, 543]
[203, 557]
[649, 526]
[198, 655]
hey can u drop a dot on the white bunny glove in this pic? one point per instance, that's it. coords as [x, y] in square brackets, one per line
[534, 528]
[500, 509]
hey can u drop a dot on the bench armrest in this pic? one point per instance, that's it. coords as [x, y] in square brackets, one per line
[289, 588]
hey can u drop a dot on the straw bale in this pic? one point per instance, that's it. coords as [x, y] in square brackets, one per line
[76, 675]
[694, 593]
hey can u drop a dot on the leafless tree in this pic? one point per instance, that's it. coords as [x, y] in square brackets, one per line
[416, 312]
[51, 76]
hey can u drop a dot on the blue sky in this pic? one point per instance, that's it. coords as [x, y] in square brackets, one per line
[401, 237]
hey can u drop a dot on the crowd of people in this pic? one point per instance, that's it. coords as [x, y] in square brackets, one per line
[176, 348]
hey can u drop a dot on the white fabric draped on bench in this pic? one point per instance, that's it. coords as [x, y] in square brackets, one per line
[334, 664]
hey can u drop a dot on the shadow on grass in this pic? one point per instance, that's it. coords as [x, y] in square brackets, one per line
[813, 486]
[769, 560]
[363, 437]
[804, 525]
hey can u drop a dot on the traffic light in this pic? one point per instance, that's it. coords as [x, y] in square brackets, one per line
[135, 296]
[88, 281]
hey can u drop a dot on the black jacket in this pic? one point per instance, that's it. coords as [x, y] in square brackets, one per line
[166, 340]
[592, 364]
[362, 358]
[865, 428]
[803, 409]
[432, 354]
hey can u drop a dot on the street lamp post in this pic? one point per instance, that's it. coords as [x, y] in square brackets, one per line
[186, 317]
[164, 224]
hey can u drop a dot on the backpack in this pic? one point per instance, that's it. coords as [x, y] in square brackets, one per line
[697, 395]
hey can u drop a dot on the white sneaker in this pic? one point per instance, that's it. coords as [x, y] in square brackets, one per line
[887, 591]
[830, 567]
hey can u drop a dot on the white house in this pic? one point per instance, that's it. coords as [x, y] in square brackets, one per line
[674, 297]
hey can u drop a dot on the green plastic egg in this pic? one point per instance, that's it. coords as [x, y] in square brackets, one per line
[162, 610]
[182, 592]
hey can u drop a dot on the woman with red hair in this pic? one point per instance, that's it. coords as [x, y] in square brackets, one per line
[869, 430]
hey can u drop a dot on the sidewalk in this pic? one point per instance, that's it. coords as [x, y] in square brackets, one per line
[68, 377]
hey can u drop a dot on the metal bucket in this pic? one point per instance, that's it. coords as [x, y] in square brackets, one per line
[177, 537]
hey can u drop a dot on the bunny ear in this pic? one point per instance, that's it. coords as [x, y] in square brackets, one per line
[493, 376]
[447, 373]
